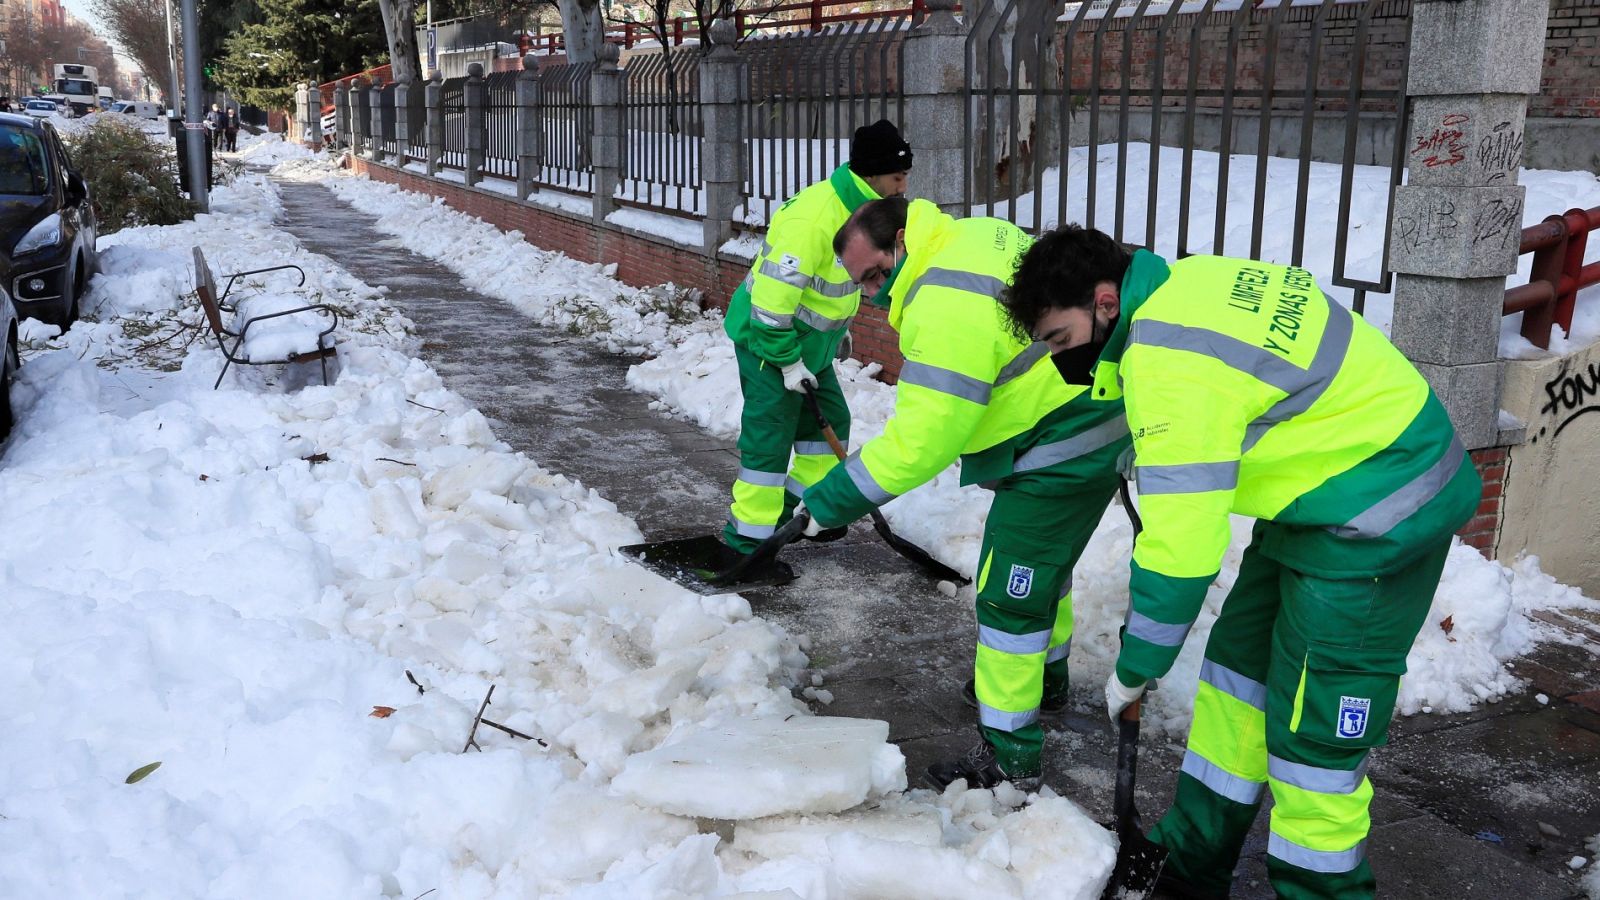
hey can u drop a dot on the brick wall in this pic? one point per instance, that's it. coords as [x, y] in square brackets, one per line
[642, 260]
[1484, 527]
[1570, 86]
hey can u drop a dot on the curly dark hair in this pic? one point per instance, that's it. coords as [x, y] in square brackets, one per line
[1061, 270]
[880, 220]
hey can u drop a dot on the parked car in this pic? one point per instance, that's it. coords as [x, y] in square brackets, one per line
[47, 223]
[10, 361]
[41, 109]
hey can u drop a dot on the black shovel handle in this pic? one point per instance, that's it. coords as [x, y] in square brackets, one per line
[899, 544]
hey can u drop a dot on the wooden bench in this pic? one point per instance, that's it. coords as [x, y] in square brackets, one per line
[211, 303]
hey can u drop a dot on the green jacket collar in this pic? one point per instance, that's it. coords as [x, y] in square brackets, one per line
[852, 190]
[1146, 272]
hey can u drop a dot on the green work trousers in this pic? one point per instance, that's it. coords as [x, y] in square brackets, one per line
[1038, 526]
[777, 423]
[1298, 683]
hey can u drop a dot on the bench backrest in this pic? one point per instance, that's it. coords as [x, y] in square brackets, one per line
[206, 287]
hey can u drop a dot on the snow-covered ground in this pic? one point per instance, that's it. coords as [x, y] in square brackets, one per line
[295, 598]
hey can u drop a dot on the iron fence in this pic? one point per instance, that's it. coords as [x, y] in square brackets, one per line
[453, 106]
[416, 122]
[566, 124]
[807, 92]
[1241, 102]
[501, 118]
[662, 133]
[361, 101]
[385, 135]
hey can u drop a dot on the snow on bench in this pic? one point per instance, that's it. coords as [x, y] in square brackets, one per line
[268, 328]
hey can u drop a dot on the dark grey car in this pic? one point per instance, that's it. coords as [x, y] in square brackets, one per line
[47, 223]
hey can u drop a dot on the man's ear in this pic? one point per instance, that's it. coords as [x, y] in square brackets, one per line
[1107, 300]
[900, 239]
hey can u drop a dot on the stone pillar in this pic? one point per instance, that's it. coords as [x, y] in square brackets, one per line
[301, 100]
[402, 120]
[476, 98]
[434, 99]
[341, 114]
[605, 92]
[722, 86]
[1458, 221]
[530, 136]
[934, 54]
[375, 123]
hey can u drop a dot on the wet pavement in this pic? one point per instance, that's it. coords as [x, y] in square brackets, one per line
[1489, 804]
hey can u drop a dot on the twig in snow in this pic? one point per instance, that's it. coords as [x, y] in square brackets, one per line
[413, 679]
[424, 894]
[398, 462]
[515, 733]
[472, 736]
[423, 405]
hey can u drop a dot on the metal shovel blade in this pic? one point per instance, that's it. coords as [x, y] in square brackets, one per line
[694, 563]
[1139, 859]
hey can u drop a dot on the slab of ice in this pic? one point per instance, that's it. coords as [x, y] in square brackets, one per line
[749, 768]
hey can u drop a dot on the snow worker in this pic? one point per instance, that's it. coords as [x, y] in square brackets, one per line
[787, 321]
[973, 388]
[1249, 392]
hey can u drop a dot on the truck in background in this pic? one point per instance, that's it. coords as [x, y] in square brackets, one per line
[107, 96]
[76, 88]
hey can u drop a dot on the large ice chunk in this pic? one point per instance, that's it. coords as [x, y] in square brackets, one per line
[749, 768]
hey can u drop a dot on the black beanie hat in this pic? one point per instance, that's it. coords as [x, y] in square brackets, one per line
[878, 149]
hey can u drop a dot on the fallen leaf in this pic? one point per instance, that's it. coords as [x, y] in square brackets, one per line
[137, 775]
[1448, 625]
[204, 477]
[381, 712]
[316, 458]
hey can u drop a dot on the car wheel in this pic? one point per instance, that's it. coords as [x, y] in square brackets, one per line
[9, 362]
[74, 288]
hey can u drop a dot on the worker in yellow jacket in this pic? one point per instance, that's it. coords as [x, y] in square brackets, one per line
[973, 388]
[1249, 392]
[786, 321]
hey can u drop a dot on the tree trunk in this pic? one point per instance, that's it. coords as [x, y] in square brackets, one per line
[399, 24]
[582, 28]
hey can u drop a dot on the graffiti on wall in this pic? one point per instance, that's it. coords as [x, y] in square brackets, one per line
[1568, 397]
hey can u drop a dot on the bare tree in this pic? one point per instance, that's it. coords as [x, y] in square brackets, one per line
[140, 26]
[399, 22]
[582, 29]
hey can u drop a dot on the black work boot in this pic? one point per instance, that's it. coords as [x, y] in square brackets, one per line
[1051, 705]
[1170, 887]
[979, 769]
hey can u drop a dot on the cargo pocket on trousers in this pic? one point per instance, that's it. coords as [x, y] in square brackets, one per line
[1347, 695]
[1022, 586]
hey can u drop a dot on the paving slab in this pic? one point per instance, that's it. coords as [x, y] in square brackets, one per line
[890, 646]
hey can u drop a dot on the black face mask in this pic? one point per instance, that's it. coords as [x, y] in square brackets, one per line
[1077, 364]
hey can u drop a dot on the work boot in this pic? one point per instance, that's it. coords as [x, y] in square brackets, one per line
[1171, 887]
[1051, 705]
[726, 558]
[979, 769]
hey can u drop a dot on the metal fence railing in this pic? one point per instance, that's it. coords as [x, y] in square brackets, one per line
[417, 124]
[566, 121]
[807, 92]
[501, 118]
[1163, 124]
[361, 101]
[387, 114]
[662, 129]
[453, 103]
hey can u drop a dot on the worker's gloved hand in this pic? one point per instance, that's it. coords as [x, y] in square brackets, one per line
[813, 527]
[1125, 463]
[796, 377]
[1119, 695]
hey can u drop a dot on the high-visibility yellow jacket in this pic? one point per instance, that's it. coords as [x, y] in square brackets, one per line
[970, 388]
[1250, 392]
[797, 301]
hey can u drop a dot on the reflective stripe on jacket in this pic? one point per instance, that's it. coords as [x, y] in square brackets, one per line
[798, 300]
[1249, 392]
[970, 387]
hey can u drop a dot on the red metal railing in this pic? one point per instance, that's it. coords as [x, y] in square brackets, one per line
[811, 14]
[1557, 244]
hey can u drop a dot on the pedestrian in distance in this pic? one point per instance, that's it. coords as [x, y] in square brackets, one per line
[1249, 392]
[787, 321]
[230, 129]
[1021, 422]
[216, 123]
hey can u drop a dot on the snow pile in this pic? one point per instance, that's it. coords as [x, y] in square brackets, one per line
[1591, 879]
[268, 149]
[296, 601]
[269, 334]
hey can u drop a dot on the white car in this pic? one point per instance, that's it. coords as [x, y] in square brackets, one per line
[40, 109]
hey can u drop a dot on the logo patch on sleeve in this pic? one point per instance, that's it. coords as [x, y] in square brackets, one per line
[1020, 584]
[1353, 713]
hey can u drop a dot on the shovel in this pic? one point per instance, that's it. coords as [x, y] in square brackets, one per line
[696, 562]
[1139, 859]
[900, 545]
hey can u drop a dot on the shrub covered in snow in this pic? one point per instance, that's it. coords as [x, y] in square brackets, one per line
[131, 178]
